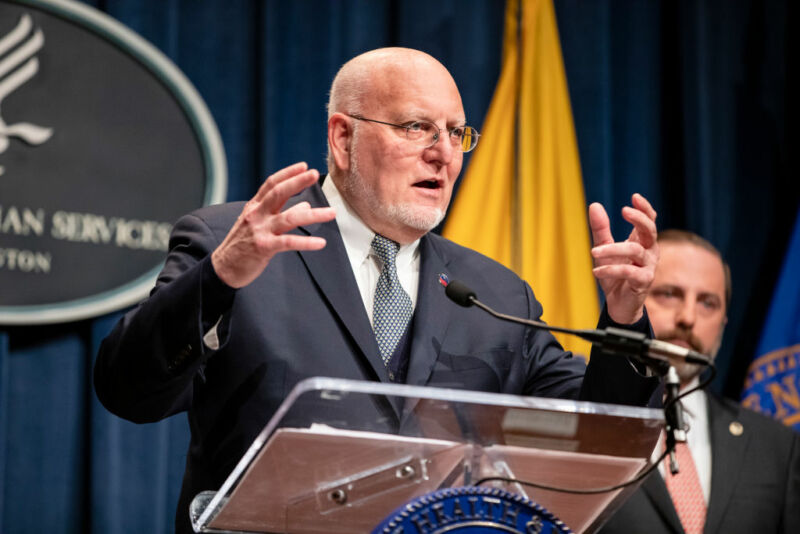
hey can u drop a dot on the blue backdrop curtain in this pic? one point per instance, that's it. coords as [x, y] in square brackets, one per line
[685, 102]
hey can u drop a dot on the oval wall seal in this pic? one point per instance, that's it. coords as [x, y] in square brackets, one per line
[471, 510]
[104, 143]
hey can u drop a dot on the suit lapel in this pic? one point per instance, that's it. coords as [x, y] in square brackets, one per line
[659, 496]
[728, 450]
[431, 316]
[333, 274]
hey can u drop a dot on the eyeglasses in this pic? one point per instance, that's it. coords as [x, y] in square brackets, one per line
[426, 134]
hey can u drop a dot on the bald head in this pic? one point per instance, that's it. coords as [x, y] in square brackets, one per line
[366, 76]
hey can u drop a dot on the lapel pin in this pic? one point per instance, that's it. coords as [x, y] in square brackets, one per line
[736, 428]
[443, 279]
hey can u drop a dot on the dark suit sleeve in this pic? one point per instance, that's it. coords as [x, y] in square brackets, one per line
[616, 379]
[552, 372]
[147, 365]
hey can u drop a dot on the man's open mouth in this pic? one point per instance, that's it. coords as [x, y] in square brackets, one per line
[428, 184]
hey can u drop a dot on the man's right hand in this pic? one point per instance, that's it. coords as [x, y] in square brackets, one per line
[260, 231]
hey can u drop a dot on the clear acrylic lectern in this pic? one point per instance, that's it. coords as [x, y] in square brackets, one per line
[341, 455]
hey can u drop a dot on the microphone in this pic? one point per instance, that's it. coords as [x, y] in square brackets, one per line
[458, 292]
[611, 340]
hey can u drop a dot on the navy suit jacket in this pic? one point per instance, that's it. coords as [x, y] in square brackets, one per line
[304, 317]
[755, 481]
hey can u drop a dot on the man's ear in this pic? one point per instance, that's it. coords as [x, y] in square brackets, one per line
[340, 135]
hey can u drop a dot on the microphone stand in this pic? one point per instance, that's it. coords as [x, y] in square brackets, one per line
[673, 414]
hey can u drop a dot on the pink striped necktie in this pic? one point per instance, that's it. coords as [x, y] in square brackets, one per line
[686, 492]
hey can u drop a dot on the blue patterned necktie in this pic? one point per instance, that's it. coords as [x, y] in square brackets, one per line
[392, 307]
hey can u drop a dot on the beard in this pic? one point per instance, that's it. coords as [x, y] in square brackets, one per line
[422, 218]
[688, 371]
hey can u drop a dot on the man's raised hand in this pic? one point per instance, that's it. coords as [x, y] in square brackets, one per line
[625, 269]
[260, 232]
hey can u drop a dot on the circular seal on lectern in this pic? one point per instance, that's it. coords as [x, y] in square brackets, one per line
[471, 510]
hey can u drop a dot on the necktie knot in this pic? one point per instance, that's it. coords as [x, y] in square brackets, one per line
[386, 250]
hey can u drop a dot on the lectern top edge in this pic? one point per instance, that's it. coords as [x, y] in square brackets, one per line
[471, 397]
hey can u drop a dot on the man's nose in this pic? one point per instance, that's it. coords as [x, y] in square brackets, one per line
[686, 314]
[442, 149]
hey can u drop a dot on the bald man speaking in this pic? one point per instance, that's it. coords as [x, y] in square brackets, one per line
[340, 277]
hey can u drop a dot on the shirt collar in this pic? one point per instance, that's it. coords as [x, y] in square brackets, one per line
[357, 236]
[694, 404]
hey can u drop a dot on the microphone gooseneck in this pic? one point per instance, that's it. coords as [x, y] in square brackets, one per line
[654, 353]
[610, 340]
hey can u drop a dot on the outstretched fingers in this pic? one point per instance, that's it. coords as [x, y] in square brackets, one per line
[626, 252]
[275, 237]
[634, 275]
[280, 192]
[600, 225]
[287, 242]
[643, 218]
[301, 214]
[278, 177]
[642, 204]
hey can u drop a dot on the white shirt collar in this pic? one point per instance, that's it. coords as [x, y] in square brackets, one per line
[694, 404]
[357, 236]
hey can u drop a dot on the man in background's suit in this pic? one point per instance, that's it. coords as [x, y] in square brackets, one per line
[744, 467]
[295, 283]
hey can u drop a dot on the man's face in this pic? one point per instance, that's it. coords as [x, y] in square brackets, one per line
[401, 189]
[686, 303]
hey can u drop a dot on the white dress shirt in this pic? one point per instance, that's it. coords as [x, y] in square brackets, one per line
[366, 265]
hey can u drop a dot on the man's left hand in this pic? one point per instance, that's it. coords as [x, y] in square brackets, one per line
[625, 270]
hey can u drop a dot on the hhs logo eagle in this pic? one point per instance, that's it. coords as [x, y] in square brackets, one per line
[17, 66]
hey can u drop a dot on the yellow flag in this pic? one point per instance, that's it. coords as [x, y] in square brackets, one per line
[521, 201]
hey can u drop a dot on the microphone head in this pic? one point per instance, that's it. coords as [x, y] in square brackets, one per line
[459, 293]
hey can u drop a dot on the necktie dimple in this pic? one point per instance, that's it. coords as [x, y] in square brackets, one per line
[392, 306]
[686, 491]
